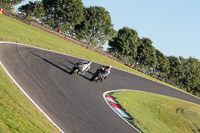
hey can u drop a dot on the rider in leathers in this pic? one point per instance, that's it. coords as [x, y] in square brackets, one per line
[105, 70]
[83, 66]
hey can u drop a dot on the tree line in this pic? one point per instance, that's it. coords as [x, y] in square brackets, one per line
[9, 4]
[92, 25]
[177, 71]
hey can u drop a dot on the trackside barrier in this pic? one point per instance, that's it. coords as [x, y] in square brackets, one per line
[116, 107]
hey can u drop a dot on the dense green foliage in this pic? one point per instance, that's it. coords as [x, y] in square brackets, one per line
[146, 53]
[125, 43]
[176, 70]
[8, 5]
[96, 28]
[5, 3]
[162, 66]
[63, 14]
[191, 78]
[32, 10]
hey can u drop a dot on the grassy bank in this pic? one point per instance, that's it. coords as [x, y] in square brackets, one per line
[160, 114]
[18, 114]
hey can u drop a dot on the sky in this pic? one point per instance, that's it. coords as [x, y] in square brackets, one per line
[172, 25]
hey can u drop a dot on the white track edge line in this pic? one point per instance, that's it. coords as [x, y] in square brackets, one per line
[97, 63]
[31, 99]
[104, 96]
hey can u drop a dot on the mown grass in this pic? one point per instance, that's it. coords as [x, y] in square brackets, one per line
[159, 114]
[18, 114]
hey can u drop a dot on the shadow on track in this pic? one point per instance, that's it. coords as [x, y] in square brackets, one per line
[75, 64]
[66, 67]
[51, 63]
[82, 76]
[70, 62]
[62, 65]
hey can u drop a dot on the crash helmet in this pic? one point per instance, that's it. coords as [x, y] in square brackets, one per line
[110, 66]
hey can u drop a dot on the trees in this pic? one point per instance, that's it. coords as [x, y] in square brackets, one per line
[39, 10]
[64, 14]
[125, 42]
[191, 79]
[146, 53]
[96, 28]
[9, 4]
[32, 10]
[176, 70]
[162, 65]
[124, 45]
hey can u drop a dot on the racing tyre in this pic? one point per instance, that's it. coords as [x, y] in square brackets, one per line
[74, 71]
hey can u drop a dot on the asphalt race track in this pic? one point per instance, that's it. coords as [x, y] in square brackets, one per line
[74, 103]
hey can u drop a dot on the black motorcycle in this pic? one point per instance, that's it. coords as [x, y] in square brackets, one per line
[99, 75]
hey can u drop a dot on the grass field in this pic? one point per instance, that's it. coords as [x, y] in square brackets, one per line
[160, 114]
[13, 104]
[18, 114]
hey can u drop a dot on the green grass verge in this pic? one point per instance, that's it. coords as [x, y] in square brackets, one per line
[18, 114]
[159, 114]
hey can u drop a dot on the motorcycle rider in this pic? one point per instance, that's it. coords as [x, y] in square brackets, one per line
[83, 66]
[105, 71]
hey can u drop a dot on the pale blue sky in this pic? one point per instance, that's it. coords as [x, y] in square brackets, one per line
[172, 25]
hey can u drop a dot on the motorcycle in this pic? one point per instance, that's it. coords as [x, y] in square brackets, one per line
[98, 76]
[74, 70]
[80, 68]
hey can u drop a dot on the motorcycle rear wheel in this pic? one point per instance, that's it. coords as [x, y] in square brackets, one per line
[74, 71]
